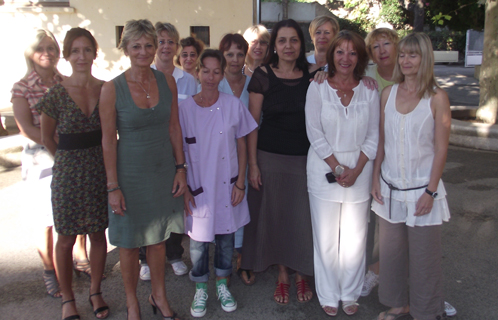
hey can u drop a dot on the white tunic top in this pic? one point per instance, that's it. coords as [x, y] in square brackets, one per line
[343, 132]
[409, 154]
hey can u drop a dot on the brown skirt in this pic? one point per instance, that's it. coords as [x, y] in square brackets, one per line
[280, 228]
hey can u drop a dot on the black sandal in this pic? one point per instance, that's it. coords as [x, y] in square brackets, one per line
[99, 310]
[74, 316]
[51, 284]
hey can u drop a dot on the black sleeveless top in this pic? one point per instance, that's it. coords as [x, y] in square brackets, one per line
[283, 127]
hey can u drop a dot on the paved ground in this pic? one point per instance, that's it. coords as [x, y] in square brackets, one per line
[470, 249]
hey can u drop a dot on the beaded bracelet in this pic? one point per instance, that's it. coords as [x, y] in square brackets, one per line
[111, 183]
[113, 189]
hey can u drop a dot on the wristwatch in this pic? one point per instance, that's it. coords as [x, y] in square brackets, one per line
[181, 166]
[432, 194]
[338, 170]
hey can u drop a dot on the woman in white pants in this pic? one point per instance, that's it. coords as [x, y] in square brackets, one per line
[342, 122]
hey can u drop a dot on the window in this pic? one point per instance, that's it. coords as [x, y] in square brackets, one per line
[201, 33]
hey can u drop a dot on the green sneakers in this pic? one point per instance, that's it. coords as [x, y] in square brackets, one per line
[228, 303]
[198, 308]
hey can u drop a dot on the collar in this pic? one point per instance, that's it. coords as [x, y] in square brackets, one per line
[178, 74]
[34, 78]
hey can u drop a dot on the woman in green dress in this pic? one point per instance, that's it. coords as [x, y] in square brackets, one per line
[146, 176]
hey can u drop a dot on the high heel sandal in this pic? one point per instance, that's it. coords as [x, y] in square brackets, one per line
[83, 267]
[51, 284]
[74, 316]
[99, 310]
[154, 310]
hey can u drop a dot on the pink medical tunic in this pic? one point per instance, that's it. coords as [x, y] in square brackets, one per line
[210, 146]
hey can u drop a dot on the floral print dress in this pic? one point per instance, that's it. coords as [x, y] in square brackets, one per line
[79, 196]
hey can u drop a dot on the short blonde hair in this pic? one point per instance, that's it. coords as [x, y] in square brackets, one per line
[169, 28]
[418, 43]
[39, 35]
[320, 21]
[135, 29]
[259, 30]
[375, 35]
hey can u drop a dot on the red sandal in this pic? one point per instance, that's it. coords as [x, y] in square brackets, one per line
[282, 290]
[303, 287]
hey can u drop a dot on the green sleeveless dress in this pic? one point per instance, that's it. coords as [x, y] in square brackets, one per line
[146, 169]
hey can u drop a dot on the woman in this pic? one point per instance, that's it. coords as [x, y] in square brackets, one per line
[342, 121]
[280, 228]
[42, 56]
[167, 38]
[141, 104]
[234, 48]
[407, 188]
[322, 31]
[78, 186]
[190, 49]
[214, 126]
[258, 39]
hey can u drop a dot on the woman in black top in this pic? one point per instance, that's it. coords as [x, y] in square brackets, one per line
[280, 228]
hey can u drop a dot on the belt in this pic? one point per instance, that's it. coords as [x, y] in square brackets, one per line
[394, 188]
[84, 140]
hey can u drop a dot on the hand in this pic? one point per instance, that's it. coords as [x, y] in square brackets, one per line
[179, 184]
[237, 195]
[348, 177]
[254, 176]
[377, 196]
[117, 202]
[424, 205]
[370, 83]
[320, 76]
[188, 199]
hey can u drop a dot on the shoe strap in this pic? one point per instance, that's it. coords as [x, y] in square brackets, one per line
[95, 294]
[67, 301]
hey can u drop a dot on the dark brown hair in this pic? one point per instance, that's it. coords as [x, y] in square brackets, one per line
[358, 46]
[211, 53]
[233, 38]
[72, 35]
[190, 41]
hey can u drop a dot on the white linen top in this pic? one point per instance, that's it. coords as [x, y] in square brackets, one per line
[185, 83]
[409, 155]
[343, 132]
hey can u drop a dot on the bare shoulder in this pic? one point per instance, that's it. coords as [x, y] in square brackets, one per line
[108, 88]
[440, 100]
[385, 93]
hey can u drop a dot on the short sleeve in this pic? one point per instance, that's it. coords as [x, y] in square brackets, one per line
[49, 102]
[19, 90]
[259, 81]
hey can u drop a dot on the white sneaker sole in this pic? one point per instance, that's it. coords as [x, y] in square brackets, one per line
[229, 309]
[197, 314]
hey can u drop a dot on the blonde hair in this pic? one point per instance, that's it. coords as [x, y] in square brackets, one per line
[320, 21]
[135, 29]
[375, 35]
[169, 28]
[259, 31]
[418, 43]
[39, 35]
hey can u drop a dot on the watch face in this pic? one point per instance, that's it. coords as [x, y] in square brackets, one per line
[339, 170]
[434, 195]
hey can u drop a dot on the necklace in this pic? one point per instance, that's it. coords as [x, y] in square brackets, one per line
[140, 84]
[250, 70]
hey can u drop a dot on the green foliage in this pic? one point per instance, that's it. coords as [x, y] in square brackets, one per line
[457, 15]
[438, 19]
[356, 26]
[393, 13]
[448, 40]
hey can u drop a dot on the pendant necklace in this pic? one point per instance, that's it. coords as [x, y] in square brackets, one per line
[252, 71]
[140, 84]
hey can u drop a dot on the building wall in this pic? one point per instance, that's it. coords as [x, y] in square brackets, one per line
[101, 18]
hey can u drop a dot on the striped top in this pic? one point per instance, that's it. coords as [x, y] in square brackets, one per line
[32, 89]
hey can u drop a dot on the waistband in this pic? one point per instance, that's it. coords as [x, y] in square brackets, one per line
[84, 140]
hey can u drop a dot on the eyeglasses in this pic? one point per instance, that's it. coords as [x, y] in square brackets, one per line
[192, 55]
[168, 42]
[262, 43]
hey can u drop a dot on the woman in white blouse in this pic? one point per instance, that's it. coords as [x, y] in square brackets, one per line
[407, 188]
[342, 122]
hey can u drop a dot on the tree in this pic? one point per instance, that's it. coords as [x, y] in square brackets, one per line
[464, 14]
[488, 82]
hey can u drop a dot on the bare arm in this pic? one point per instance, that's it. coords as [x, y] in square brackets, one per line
[48, 127]
[107, 111]
[255, 106]
[175, 132]
[440, 106]
[238, 190]
[24, 120]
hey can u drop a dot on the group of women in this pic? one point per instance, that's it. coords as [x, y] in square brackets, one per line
[320, 148]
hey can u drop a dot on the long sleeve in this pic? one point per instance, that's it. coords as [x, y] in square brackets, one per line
[369, 146]
[313, 111]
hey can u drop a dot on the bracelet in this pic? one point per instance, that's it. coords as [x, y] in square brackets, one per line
[236, 186]
[182, 171]
[111, 183]
[113, 189]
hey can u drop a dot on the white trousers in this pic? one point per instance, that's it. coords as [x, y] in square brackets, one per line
[339, 241]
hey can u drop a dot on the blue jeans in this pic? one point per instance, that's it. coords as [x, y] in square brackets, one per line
[199, 254]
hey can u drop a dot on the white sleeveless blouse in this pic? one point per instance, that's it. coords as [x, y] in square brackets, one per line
[409, 154]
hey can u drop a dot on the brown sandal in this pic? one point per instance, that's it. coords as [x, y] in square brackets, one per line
[282, 290]
[303, 287]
